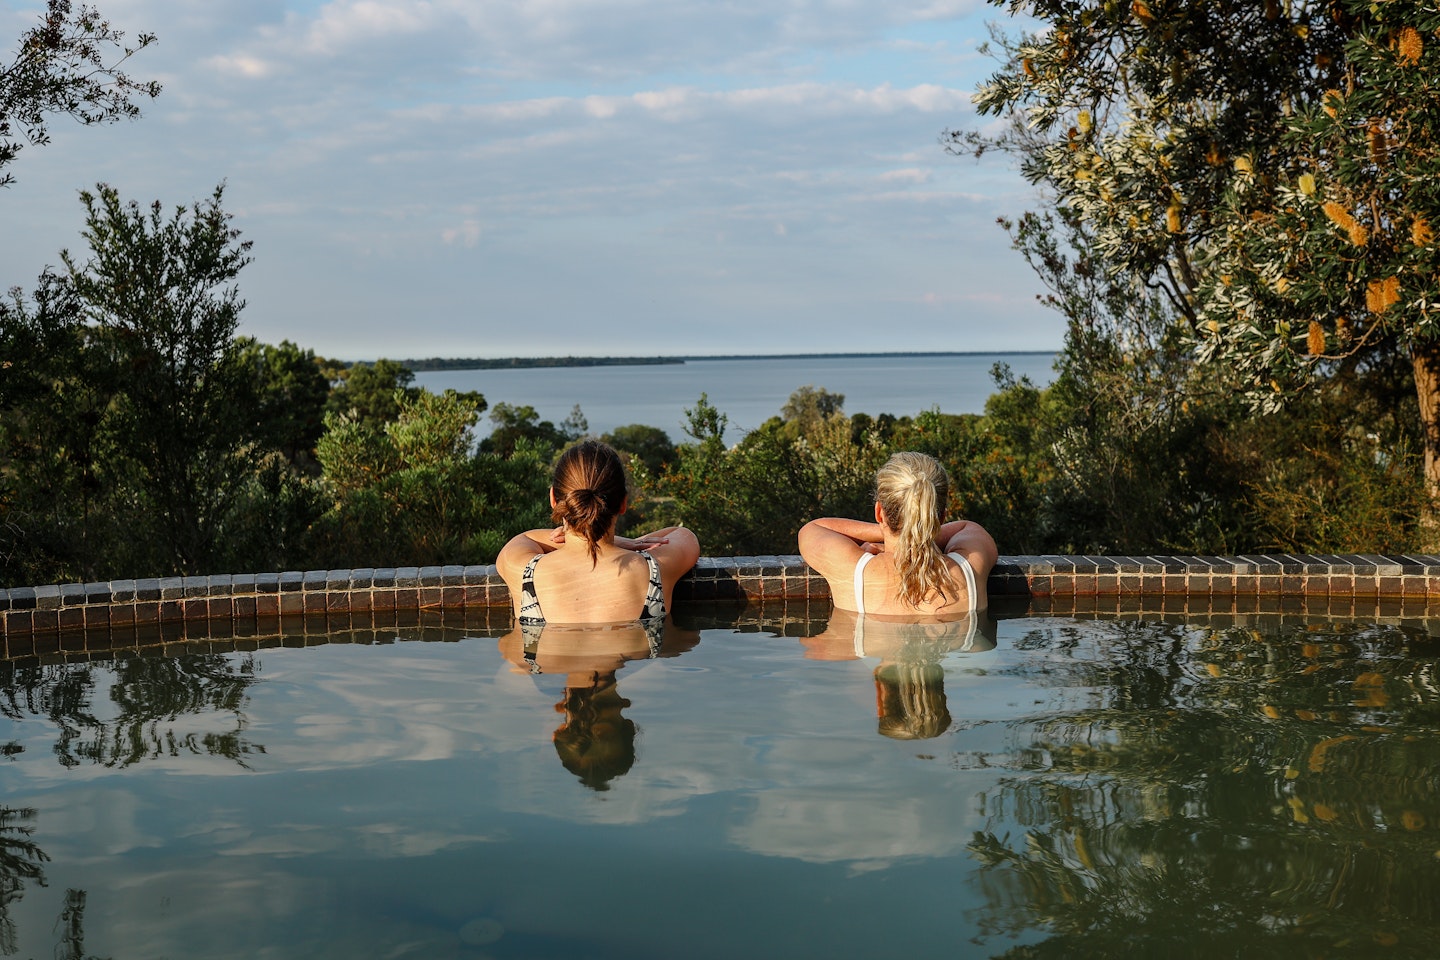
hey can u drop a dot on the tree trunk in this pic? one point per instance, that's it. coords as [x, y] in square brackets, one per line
[1426, 361]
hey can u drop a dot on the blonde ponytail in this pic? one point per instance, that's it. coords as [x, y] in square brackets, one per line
[913, 488]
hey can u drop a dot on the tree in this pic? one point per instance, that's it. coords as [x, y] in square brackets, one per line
[516, 423]
[414, 490]
[371, 391]
[1267, 168]
[291, 395]
[161, 295]
[69, 64]
[808, 407]
[648, 445]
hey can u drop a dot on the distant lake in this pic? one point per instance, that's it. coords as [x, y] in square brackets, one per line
[748, 391]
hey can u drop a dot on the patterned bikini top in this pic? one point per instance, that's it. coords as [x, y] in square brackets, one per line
[532, 621]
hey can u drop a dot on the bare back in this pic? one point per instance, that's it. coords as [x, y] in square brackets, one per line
[570, 590]
[882, 591]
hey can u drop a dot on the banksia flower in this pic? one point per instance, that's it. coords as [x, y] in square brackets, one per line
[1381, 295]
[1410, 46]
[1315, 340]
[1030, 68]
[1082, 120]
[1281, 285]
[1331, 102]
[1379, 143]
[1307, 184]
[1172, 220]
[1343, 330]
[1244, 165]
[1142, 12]
[1420, 232]
[1341, 218]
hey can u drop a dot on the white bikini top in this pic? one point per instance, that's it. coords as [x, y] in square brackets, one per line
[971, 599]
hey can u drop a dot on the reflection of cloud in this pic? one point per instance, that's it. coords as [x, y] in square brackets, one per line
[842, 812]
[866, 829]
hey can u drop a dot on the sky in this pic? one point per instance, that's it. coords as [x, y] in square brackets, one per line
[483, 178]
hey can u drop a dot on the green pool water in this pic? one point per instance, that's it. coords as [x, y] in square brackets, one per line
[1028, 787]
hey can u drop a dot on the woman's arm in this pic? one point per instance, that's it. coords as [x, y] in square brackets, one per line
[861, 531]
[832, 545]
[970, 540]
[675, 548]
[510, 564]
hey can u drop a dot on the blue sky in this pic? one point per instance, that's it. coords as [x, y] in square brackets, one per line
[541, 177]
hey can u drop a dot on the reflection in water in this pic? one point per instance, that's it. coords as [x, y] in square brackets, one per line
[145, 693]
[910, 680]
[20, 861]
[1220, 792]
[595, 742]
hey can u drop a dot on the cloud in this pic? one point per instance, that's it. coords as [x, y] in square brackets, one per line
[468, 233]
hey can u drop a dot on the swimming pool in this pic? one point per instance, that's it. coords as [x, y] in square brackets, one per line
[1037, 786]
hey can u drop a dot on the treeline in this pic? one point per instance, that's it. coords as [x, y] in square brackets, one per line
[140, 436]
[525, 363]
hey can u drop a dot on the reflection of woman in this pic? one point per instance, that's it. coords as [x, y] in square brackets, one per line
[908, 562]
[595, 742]
[909, 680]
[580, 572]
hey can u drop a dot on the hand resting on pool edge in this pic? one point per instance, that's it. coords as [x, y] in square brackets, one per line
[581, 572]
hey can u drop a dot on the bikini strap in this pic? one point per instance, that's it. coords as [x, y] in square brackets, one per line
[654, 592]
[860, 582]
[969, 572]
[529, 603]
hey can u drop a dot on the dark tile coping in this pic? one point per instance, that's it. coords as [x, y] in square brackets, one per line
[1363, 581]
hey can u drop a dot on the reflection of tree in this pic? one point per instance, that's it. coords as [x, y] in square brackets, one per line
[150, 695]
[1220, 793]
[20, 860]
[72, 928]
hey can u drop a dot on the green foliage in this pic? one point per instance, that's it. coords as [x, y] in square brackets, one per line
[371, 392]
[291, 395]
[1242, 203]
[754, 497]
[69, 65]
[412, 491]
[160, 293]
[651, 446]
[514, 424]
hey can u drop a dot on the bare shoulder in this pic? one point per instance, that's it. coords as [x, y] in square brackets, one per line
[975, 544]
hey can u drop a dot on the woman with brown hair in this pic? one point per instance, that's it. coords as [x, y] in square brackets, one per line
[909, 562]
[581, 572]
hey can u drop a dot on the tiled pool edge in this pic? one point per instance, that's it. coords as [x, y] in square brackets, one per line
[1071, 583]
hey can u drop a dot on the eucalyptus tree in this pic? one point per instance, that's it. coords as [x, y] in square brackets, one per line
[1265, 167]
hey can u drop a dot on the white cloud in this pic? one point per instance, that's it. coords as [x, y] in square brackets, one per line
[467, 234]
[908, 175]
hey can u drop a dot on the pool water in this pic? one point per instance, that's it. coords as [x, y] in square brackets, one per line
[742, 785]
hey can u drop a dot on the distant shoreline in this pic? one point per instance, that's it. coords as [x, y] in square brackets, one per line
[431, 364]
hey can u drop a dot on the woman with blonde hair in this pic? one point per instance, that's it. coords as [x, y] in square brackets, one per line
[910, 562]
[580, 571]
